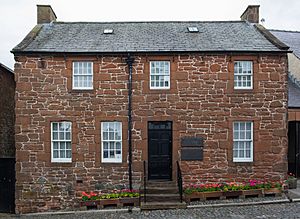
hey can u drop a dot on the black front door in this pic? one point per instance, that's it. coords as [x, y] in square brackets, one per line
[294, 148]
[7, 185]
[160, 150]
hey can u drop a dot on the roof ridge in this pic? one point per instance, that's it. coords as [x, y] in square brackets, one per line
[287, 31]
[114, 22]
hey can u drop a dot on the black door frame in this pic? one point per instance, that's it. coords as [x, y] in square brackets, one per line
[7, 184]
[170, 149]
[294, 147]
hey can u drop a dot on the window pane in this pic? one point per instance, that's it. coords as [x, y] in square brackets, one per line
[105, 145]
[105, 135]
[105, 154]
[68, 145]
[118, 145]
[55, 136]
[55, 153]
[69, 154]
[55, 145]
[68, 136]
[62, 154]
[62, 145]
[111, 154]
[54, 126]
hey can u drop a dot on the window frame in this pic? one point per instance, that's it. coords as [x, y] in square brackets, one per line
[150, 74]
[243, 159]
[59, 159]
[115, 159]
[241, 74]
[73, 76]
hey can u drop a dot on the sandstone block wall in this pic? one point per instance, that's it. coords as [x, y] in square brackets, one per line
[200, 102]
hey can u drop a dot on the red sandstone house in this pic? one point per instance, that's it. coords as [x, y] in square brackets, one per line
[101, 105]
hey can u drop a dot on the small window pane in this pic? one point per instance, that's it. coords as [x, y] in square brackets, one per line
[55, 136]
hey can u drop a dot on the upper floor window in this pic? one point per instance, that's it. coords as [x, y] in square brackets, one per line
[159, 75]
[111, 141]
[61, 145]
[243, 141]
[82, 75]
[243, 74]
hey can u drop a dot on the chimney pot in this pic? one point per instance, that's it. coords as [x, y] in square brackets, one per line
[45, 14]
[251, 14]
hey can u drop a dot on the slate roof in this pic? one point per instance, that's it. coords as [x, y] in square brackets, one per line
[291, 38]
[294, 93]
[87, 37]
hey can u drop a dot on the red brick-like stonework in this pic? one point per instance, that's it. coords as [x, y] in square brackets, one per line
[200, 102]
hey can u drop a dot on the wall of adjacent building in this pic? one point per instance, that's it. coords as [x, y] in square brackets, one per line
[200, 102]
[7, 115]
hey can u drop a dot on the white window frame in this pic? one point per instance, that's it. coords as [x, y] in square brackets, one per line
[58, 140]
[238, 74]
[244, 158]
[116, 159]
[160, 75]
[85, 73]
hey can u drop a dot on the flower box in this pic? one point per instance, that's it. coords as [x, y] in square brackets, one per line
[231, 194]
[109, 202]
[252, 193]
[128, 201]
[195, 196]
[84, 205]
[272, 191]
[212, 195]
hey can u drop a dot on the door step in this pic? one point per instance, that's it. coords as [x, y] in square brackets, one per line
[161, 198]
[162, 205]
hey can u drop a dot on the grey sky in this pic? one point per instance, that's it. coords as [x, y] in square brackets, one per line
[18, 17]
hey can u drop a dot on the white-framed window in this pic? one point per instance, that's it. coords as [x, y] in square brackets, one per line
[111, 142]
[61, 143]
[159, 75]
[82, 75]
[243, 141]
[243, 75]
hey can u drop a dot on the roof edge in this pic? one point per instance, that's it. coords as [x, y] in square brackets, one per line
[269, 36]
[20, 52]
[7, 68]
[28, 39]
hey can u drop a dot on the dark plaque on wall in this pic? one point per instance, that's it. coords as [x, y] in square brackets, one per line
[192, 148]
[192, 142]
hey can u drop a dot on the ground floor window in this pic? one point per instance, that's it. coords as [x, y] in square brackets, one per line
[61, 144]
[243, 141]
[111, 142]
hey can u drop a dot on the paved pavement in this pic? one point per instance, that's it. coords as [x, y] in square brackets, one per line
[274, 210]
[285, 210]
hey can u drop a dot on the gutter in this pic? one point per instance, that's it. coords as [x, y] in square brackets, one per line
[129, 62]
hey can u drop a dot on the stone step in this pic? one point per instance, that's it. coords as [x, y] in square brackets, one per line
[161, 197]
[159, 183]
[160, 190]
[162, 205]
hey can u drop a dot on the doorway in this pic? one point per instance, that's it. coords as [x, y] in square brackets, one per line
[7, 185]
[294, 148]
[160, 150]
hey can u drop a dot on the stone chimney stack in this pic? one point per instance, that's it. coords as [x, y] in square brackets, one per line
[45, 14]
[251, 14]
